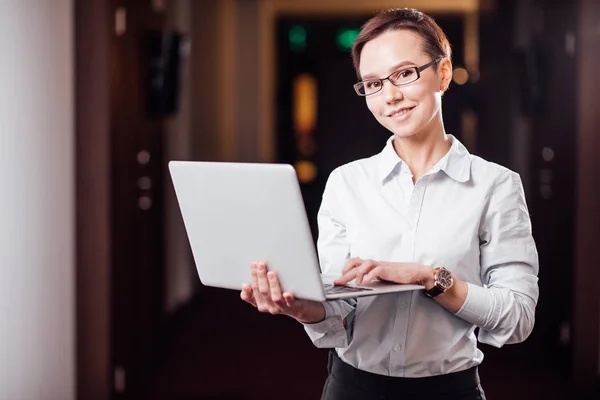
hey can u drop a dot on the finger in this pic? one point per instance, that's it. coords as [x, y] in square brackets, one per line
[364, 269]
[276, 295]
[247, 295]
[258, 297]
[263, 283]
[351, 264]
[347, 277]
[253, 278]
[373, 274]
[267, 304]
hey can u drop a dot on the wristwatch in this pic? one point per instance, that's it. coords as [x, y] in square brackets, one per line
[442, 281]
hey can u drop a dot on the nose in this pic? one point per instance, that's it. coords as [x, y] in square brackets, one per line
[391, 92]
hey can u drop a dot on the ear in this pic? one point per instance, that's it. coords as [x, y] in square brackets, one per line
[445, 72]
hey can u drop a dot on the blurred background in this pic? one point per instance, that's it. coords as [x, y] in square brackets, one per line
[99, 298]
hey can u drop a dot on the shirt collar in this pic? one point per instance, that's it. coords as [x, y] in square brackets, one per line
[388, 160]
[456, 163]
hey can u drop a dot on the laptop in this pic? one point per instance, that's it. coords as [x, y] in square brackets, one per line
[238, 213]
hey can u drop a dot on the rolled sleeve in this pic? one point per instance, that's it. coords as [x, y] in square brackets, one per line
[332, 331]
[504, 307]
[479, 307]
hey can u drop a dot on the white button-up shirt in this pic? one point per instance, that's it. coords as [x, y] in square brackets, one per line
[466, 214]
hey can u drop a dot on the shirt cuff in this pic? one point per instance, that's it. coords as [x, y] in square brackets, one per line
[479, 307]
[331, 321]
[330, 332]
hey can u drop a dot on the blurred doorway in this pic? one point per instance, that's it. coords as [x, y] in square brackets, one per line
[527, 114]
[137, 148]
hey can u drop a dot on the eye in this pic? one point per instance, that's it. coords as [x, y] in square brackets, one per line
[406, 73]
[372, 84]
[404, 76]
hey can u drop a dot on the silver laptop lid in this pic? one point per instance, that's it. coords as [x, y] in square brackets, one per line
[237, 213]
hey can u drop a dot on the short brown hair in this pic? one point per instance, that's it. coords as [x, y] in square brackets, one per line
[435, 42]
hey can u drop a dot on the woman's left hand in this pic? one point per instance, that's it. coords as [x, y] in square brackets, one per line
[365, 271]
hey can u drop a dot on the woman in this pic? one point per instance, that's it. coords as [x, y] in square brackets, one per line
[422, 211]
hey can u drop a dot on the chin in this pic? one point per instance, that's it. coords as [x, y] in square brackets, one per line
[404, 132]
[404, 129]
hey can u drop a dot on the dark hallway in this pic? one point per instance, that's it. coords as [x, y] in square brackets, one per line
[218, 347]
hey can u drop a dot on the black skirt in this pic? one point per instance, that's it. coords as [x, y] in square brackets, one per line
[348, 383]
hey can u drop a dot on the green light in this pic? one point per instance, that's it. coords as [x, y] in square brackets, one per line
[346, 38]
[297, 37]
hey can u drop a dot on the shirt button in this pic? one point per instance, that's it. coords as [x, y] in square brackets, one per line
[397, 347]
[403, 306]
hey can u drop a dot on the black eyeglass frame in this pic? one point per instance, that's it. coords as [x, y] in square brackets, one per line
[417, 69]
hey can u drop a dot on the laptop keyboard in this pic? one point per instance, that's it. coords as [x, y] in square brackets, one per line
[333, 289]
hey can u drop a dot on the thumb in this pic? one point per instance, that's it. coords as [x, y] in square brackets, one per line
[290, 300]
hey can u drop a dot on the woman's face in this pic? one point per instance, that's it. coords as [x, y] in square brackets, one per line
[414, 108]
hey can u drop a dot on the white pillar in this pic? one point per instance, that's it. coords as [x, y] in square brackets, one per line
[37, 273]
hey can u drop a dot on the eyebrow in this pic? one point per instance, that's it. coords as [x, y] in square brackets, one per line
[395, 68]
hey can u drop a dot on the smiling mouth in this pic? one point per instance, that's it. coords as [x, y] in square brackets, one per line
[400, 112]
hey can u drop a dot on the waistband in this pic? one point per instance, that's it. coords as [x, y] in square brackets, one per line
[461, 380]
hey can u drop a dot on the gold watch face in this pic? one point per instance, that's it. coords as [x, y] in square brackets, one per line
[444, 278]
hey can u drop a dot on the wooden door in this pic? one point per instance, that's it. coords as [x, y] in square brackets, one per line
[137, 186]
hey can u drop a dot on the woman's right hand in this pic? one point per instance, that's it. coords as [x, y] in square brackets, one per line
[264, 293]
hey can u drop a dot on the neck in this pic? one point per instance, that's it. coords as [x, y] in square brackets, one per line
[422, 152]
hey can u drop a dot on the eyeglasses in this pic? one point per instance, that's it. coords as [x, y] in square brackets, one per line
[399, 78]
